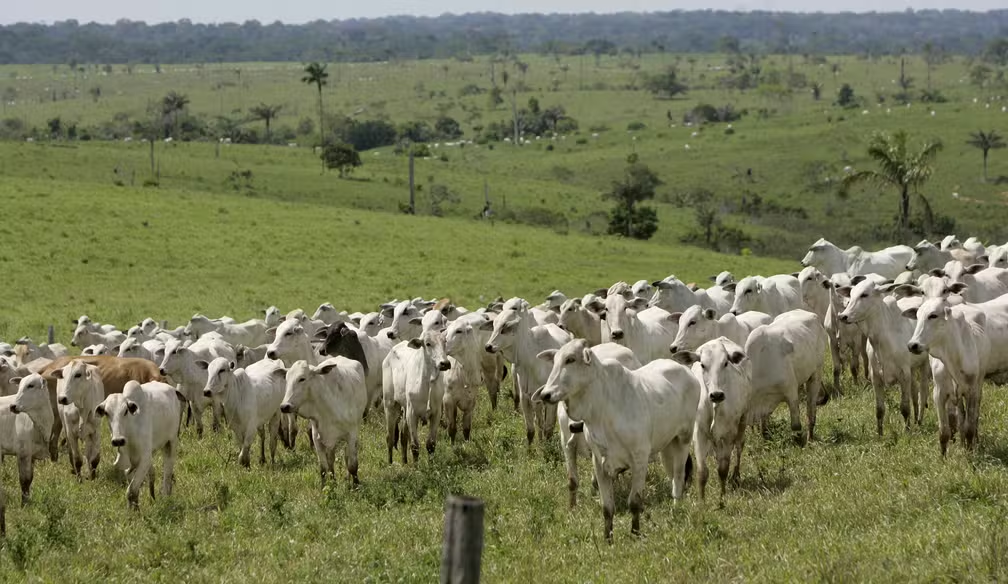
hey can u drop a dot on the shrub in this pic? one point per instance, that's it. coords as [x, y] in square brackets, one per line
[636, 126]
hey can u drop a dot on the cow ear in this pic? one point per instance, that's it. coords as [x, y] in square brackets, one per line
[858, 279]
[686, 358]
[710, 314]
[910, 313]
[736, 357]
[88, 371]
[415, 343]
[729, 286]
[948, 312]
[759, 287]
[674, 317]
[795, 274]
[15, 381]
[639, 303]
[844, 291]
[58, 374]
[601, 292]
[280, 371]
[486, 325]
[132, 407]
[115, 350]
[595, 306]
[547, 355]
[957, 288]
[233, 365]
[271, 331]
[984, 259]
[180, 396]
[786, 347]
[203, 365]
[325, 369]
[100, 410]
[661, 285]
[938, 273]
[907, 290]
[974, 268]
[416, 320]
[587, 356]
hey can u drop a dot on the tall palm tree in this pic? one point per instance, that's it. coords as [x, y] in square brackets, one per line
[986, 141]
[898, 167]
[171, 105]
[316, 74]
[266, 113]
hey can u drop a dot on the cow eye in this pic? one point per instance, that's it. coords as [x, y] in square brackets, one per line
[569, 360]
[691, 323]
[429, 345]
[288, 333]
[748, 291]
[301, 379]
[932, 316]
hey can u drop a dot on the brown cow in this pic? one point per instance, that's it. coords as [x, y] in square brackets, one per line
[115, 372]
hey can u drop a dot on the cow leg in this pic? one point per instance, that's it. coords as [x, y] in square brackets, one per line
[92, 449]
[636, 499]
[467, 417]
[529, 415]
[413, 424]
[136, 475]
[391, 426]
[834, 344]
[880, 405]
[435, 425]
[739, 446]
[73, 444]
[168, 473]
[795, 414]
[568, 445]
[674, 458]
[54, 438]
[906, 395]
[217, 412]
[451, 416]
[197, 410]
[812, 388]
[605, 483]
[351, 457]
[245, 450]
[292, 430]
[274, 433]
[943, 400]
[26, 472]
[548, 421]
[972, 414]
[724, 456]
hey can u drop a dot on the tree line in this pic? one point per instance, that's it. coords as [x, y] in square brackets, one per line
[464, 36]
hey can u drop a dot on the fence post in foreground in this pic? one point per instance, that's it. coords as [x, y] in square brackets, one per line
[463, 540]
[52, 335]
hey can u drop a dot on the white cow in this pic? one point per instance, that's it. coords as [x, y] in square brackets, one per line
[880, 317]
[928, 257]
[32, 351]
[787, 354]
[774, 295]
[83, 336]
[698, 325]
[342, 339]
[725, 375]
[249, 333]
[982, 283]
[328, 314]
[332, 396]
[26, 421]
[815, 293]
[461, 381]
[848, 343]
[78, 392]
[180, 363]
[967, 343]
[142, 419]
[830, 259]
[96, 350]
[647, 332]
[628, 417]
[491, 364]
[408, 387]
[251, 398]
[673, 295]
[580, 321]
[152, 350]
[86, 322]
[519, 339]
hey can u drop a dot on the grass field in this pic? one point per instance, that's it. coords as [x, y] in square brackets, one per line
[851, 507]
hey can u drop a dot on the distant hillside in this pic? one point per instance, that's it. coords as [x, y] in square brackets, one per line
[951, 31]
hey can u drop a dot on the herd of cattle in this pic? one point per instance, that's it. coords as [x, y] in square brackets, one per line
[629, 371]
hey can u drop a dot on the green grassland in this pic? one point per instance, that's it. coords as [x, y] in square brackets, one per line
[851, 507]
[82, 234]
[792, 149]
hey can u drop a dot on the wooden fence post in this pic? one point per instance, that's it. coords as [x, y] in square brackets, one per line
[463, 540]
[52, 335]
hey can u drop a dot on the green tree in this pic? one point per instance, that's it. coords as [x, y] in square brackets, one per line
[665, 85]
[846, 97]
[495, 98]
[899, 168]
[171, 106]
[447, 128]
[316, 74]
[266, 113]
[817, 88]
[342, 157]
[986, 141]
[627, 218]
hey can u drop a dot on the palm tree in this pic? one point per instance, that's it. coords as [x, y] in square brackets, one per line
[316, 74]
[986, 141]
[171, 105]
[898, 167]
[266, 113]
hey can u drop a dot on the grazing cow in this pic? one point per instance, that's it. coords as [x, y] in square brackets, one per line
[698, 325]
[628, 417]
[647, 332]
[30, 351]
[152, 350]
[774, 295]
[142, 419]
[84, 336]
[725, 375]
[830, 259]
[519, 339]
[967, 343]
[249, 333]
[180, 363]
[408, 386]
[880, 317]
[26, 420]
[787, 354]
[332, 396]
[251, 399]
[928, 257]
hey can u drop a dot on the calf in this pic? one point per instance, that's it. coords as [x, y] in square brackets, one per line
[967, 343]
[517, 337]
[880, 317]
[628, 417]
[142, 419]
[408, 385]
[725, 375]
[251, 400]
[787, 354]
[333, 396]
[491, 364]
[26, 420]
[698, 325]
[774, 295]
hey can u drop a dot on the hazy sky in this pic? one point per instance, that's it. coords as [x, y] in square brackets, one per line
[303, 10]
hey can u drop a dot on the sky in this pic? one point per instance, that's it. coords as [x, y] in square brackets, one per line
[297, 11]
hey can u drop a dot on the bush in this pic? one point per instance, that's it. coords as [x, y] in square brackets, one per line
[471, 89]
[416, 131]
[636, 126]
[343, 157]
[368, 134]
[447, 128]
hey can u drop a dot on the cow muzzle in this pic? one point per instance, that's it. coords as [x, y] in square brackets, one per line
[162, 371]
[15, 409]
[674, 348]
[286, 408]
[207, 393]
[917, 348]
[444, 366]
[118, 441]
[845, 318]
[490, 349]
[717, 396]
[271, 354]
[63, 400]
[390, 334]
[617, 335]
